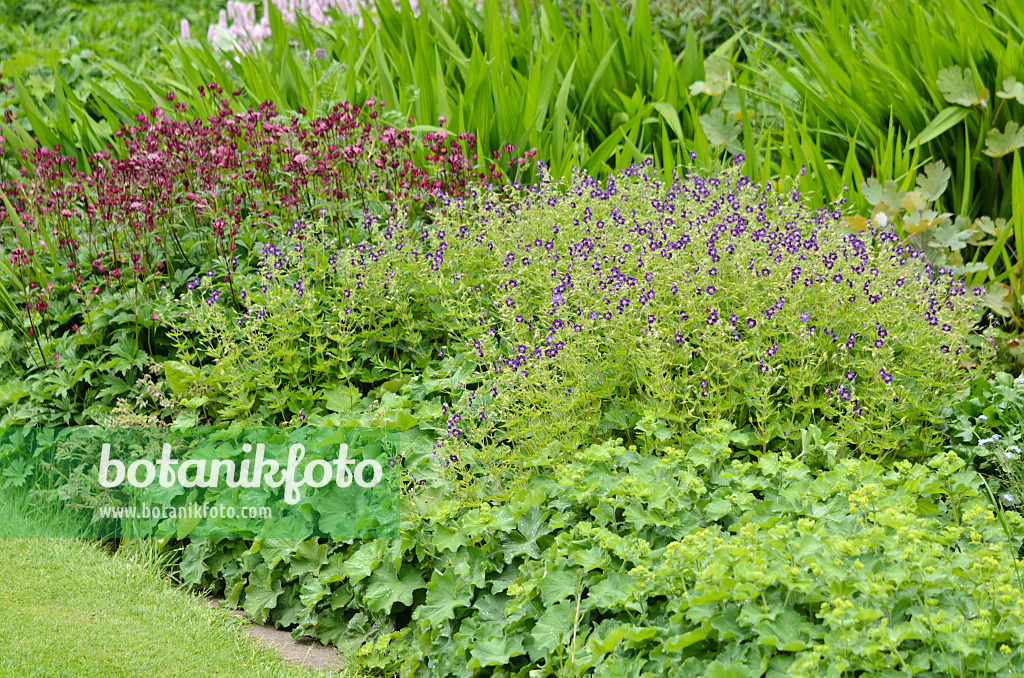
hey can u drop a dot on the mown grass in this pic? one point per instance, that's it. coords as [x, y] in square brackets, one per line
[67, 608]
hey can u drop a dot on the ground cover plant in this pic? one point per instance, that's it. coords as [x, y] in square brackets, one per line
[653, 420]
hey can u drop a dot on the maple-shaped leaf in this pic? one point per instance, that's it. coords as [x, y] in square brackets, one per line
[951, 235]
[918, 222]
[717, 77]
[731, 104]
[445, 592]
[934, 180]
[985, 231]
[1012, 90]
[999, 299]
[719, 131]
[886, 198]
[958, 87]
[998, 144]
[388, 586]
[973, 267]
[914, 201]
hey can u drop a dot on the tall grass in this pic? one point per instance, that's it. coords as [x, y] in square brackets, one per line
[865, 96]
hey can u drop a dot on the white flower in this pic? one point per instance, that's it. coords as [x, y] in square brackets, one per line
[982, 417]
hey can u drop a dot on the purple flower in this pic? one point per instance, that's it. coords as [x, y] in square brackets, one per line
[751, 323]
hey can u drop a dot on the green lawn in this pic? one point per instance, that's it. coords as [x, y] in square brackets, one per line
[69, 609]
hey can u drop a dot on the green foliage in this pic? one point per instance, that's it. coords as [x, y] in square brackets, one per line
[647, 499]
[889, 99]
[986, 428]
[754, 323]
[599, 92]
[85, 285]
[688, 559]
[714, 22]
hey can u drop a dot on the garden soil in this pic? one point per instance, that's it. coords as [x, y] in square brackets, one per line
[305, 651]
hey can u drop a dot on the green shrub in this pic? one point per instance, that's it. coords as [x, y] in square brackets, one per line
[632, 309]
